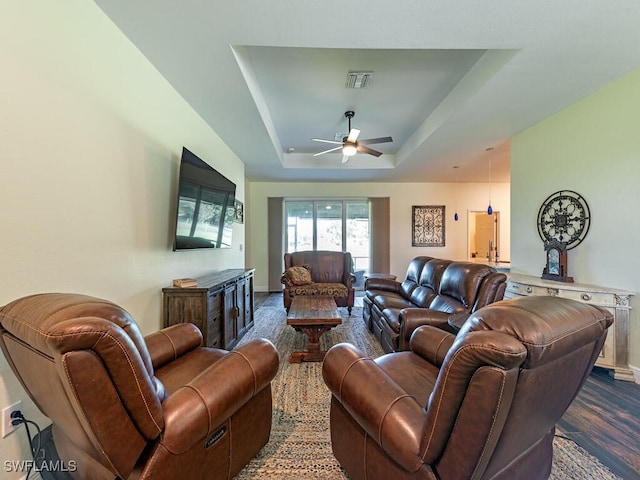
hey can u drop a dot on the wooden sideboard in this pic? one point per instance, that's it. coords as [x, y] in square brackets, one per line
[221, 306]
[615, 352]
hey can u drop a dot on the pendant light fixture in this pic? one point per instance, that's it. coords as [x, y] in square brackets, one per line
[455, 215]
[489, 208]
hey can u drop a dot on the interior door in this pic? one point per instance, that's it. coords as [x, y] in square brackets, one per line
[483, 229]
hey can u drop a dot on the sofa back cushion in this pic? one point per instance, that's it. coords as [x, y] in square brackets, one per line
[325, 266]
[459, 287]
[429, 282]
[412, 277]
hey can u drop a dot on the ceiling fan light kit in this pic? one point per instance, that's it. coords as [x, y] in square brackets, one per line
[349, 149]
[350, 144]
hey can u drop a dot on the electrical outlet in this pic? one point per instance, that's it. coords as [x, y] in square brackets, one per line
[7, 428]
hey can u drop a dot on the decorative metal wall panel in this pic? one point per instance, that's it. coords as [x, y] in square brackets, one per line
[428, 226]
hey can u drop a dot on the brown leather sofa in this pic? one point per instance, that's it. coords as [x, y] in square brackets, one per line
[432, 292]
[328, 273]
[133, 407]
[479, 405]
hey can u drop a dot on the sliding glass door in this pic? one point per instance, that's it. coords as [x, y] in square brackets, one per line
[299, 234]
[334, 224]
[358, 235]
[329, 226]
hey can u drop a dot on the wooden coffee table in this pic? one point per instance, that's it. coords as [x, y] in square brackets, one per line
[312, 315]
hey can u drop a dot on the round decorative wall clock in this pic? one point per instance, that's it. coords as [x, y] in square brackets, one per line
[564, 216]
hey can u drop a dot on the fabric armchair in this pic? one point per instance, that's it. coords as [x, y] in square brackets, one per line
[319, 272]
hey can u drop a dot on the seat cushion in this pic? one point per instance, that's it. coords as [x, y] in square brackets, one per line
[413, 374]
[392, 317]
[331, 289]
[391, 300]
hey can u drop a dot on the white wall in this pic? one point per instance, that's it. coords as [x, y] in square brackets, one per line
[593, 148]
[90, 138]
[402, 197]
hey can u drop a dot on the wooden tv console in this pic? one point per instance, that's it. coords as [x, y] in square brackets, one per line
[221, 306]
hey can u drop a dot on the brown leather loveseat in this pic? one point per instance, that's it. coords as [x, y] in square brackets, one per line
[433, 291]
[319, 272]
[479, 405]
[127, 406]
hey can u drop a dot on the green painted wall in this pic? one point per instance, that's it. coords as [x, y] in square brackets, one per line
[593, 148]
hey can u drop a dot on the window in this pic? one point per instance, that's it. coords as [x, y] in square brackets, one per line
[358, 235]
[334, 224]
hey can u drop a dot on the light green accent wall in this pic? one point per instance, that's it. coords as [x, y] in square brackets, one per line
[593, 148]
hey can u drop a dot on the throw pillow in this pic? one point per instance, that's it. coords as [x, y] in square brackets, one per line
[299, 275]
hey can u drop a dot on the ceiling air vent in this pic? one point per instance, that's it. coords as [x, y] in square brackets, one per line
[359, 79]
[339, 137]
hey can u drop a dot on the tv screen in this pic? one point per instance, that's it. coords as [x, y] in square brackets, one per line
[205, 206]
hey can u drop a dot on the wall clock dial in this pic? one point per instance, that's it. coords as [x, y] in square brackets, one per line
[564, 216]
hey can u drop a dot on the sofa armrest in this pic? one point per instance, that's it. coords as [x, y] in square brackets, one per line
[196, 410]
[431, 343]
[456, 320]
[172, 342]
[412, 318]
[382, 284]
[393, 419]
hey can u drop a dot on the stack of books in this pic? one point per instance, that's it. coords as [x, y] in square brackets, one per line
[185, 282]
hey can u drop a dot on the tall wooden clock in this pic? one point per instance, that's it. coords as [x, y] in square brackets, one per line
[563, 223]
[556, 268]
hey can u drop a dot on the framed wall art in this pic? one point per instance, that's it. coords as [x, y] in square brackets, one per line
[238, 213]
[428, 226]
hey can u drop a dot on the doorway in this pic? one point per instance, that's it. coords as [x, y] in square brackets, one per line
[484, 231]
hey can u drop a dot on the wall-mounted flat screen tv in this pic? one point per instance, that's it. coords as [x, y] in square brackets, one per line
[205, 206]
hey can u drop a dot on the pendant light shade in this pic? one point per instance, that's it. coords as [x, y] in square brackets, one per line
[489, 208]
[455, 215]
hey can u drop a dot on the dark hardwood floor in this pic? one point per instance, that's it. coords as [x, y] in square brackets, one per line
[604, 419]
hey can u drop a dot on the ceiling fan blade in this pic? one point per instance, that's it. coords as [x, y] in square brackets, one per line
[345, 158]
[327, 151]
[353, 135]
[326, 141]
[370, 151]
[369, 141]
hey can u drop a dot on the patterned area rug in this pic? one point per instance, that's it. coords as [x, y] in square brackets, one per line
[300, 444]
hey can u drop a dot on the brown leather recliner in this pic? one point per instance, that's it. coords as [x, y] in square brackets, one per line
[330, 274]
[477, 405]
[133, 407]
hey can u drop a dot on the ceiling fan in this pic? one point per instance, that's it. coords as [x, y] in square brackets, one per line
[350, 144]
